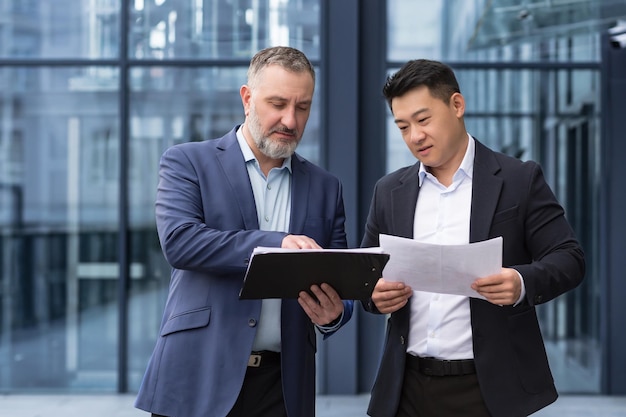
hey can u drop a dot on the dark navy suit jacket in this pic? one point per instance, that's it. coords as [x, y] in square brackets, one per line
[511, 199]
[207, 224]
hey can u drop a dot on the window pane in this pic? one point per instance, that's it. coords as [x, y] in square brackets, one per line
[499, 30]
[221, 29]
[59, 29]
[59, 184]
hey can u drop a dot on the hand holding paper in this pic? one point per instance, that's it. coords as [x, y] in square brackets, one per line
[504, 288]
[390, 296]
[445, 269]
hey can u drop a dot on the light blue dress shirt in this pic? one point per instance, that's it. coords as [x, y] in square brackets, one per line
[272, 196]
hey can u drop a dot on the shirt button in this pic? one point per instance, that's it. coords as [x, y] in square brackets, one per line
[267, 219]
[252, 322]
[269, 187]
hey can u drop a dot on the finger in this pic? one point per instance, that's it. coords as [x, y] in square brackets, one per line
[330, 305]
[290, 242]
[326, 295]
[488, 287]
[394, 296]
[305, 242]
[391, 307]
[308, 299]
[299, 242]
[311, 244]
[330, 291]
[308, 306]
[501, 297]
[319, 295]
[383, 285]
[489, 280]
[391, 299]
[317, 314]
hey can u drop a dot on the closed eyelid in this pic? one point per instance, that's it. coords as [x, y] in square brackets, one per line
[416, 115]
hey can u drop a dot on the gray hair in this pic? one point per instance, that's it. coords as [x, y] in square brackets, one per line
[288, 58]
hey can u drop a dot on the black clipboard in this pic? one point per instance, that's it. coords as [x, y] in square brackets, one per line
[352, 273]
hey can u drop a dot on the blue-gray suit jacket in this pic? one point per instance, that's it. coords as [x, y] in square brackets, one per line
[511, 199]
[207, 224]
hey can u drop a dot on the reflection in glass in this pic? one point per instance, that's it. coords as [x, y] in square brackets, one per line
[508, 22]
[213, 29]
[499, 30]
[60, 29]
[58, 228]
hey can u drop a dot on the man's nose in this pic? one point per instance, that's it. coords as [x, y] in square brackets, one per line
[289, 118]
[417, 134]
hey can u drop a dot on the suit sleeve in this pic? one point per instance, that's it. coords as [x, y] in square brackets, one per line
[186, 240]
[558, 263]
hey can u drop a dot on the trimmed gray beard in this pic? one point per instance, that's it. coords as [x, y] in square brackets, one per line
[274, 149]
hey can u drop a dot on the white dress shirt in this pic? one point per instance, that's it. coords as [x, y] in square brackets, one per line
[440, 323]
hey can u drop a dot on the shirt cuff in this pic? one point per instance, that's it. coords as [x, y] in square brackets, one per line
[331, 327]
[523, 292]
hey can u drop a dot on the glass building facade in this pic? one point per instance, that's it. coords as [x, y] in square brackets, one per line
[93, 91]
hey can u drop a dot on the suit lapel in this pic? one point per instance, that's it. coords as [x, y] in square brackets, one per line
[236, 174]
[299, 194]
[486, 189]
[290, 309]
[403, 202]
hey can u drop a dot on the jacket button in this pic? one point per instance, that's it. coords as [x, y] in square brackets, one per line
[538, 299]
[252, 322]
[401, 340]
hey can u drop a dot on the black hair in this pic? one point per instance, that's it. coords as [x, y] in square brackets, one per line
[436, 76]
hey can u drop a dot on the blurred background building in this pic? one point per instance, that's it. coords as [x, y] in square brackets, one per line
[92, 91]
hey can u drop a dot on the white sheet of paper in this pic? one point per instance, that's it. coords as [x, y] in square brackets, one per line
[267, 249]
[444, 269]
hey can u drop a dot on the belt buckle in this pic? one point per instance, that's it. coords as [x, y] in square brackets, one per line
[254, 360]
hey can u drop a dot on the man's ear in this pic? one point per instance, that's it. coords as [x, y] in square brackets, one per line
[246, 96]
[457, 101]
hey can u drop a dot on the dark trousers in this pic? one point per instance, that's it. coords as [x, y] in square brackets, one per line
[440, 396]
[261, 394]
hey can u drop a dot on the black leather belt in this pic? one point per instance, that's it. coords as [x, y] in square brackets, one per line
[264, 358]
[439, 367]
